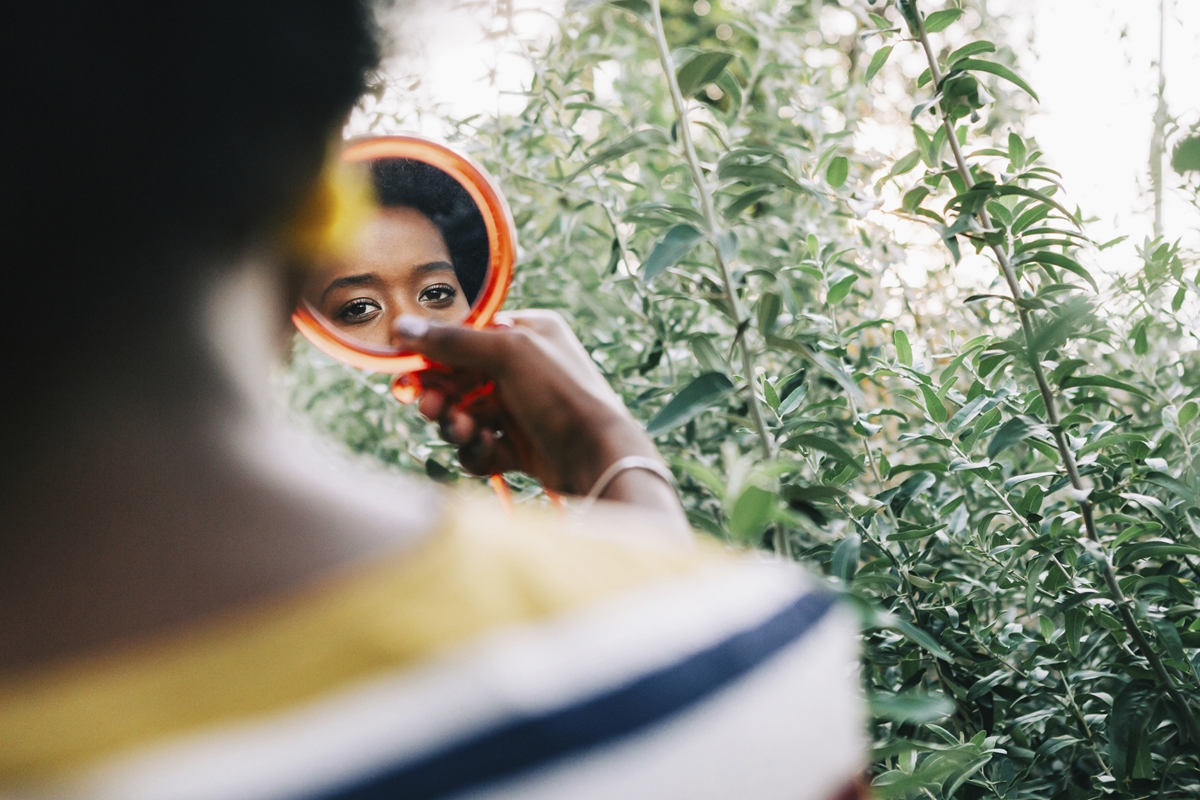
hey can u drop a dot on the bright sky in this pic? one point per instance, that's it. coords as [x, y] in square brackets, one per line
[1092, 62]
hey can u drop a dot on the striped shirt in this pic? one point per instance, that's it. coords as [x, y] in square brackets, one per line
[498, 659]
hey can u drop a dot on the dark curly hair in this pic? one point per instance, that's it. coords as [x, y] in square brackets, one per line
[415, 184]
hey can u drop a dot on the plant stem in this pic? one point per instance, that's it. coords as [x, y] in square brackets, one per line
[1050, 401]
[713, 222]
[1157, 142]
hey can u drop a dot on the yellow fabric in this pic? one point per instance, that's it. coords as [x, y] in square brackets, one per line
[480, 573]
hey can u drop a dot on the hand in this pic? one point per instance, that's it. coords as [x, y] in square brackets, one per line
[554, 415]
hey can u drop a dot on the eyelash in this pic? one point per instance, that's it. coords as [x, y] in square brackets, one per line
[448, 294]
[344, 313]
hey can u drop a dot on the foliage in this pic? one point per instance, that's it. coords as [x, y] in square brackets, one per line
[1008, 485]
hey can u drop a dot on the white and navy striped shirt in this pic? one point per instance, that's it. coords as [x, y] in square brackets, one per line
[497, 660]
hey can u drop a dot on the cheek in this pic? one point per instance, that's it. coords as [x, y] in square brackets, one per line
[457, 312]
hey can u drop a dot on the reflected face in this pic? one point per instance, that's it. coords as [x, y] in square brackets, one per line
[401, 265]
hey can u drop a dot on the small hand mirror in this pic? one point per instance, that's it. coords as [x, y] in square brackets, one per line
[439, 242]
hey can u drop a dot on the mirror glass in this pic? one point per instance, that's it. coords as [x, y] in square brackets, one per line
[424, 250]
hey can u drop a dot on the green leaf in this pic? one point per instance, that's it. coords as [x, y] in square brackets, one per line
[903, 349]
[924, 144]
[952, 784]
[744, 201]
[845, 558]
[1188, 412]
[1132, 710]
[839, 170]
[969, 64]
[812, 494]
[672, 248]
[1102, 381]
[1128, 554]
[877, 61]
[914, 634]
[933, 404]
[707, 356]
[727, 244]
[967, 413]
[761, 175]
[940, 20]
[1061, 261]
[827, 364]
[911, 488]
[914, 197]
[837, 293]
[968, 50]
[651, 137]
[771, 396]
[1076, 621]
[769, 306]
[1017, 480]
[638, 7]
[812, 441]
[793, 400]
[1015, 430]
[1186, 156]
[910, 707]
[751, 512]
[691, 401]
[701, 70]
[914, 533]
[1168, 635]
[905, 164]
[1016, 150]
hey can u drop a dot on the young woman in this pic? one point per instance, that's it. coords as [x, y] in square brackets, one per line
[424, 253]
[195, 604]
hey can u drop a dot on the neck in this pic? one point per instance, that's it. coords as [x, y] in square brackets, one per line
[163, 496]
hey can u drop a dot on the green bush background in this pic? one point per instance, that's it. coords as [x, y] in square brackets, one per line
[906, 449]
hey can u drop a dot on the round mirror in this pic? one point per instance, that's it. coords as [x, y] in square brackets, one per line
[439, 242]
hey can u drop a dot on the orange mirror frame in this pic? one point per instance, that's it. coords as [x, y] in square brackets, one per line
[502, 244]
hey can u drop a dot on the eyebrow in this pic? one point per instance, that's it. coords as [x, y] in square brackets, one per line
[434, 266]
[350, 280]
[370, 277]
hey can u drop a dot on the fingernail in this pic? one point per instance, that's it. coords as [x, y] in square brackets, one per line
[411, 327]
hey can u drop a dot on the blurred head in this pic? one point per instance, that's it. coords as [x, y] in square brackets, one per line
[150, 146]
[425, 253]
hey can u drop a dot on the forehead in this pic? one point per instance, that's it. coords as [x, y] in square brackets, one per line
[401, 236]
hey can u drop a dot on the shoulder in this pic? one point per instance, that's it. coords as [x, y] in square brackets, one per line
[502, 657]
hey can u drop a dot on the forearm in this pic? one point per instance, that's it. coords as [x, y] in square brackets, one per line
[648, 491]
[641, 478]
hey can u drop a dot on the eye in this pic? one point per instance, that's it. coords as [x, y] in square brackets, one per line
[359, 311]
[440, 295]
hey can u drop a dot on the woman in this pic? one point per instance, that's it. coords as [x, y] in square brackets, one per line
[194, 604]
[425, 252]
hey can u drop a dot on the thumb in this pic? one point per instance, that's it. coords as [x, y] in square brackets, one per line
[454, 346]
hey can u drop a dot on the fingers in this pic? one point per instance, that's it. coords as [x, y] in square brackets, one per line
[458, 427]
[431, 404]
[489, 454]
[537, 319]
[455, 346]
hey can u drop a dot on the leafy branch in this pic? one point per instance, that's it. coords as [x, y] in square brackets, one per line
[721, 241]
[946, 100]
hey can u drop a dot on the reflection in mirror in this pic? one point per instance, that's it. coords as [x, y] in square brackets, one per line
[425, 251]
